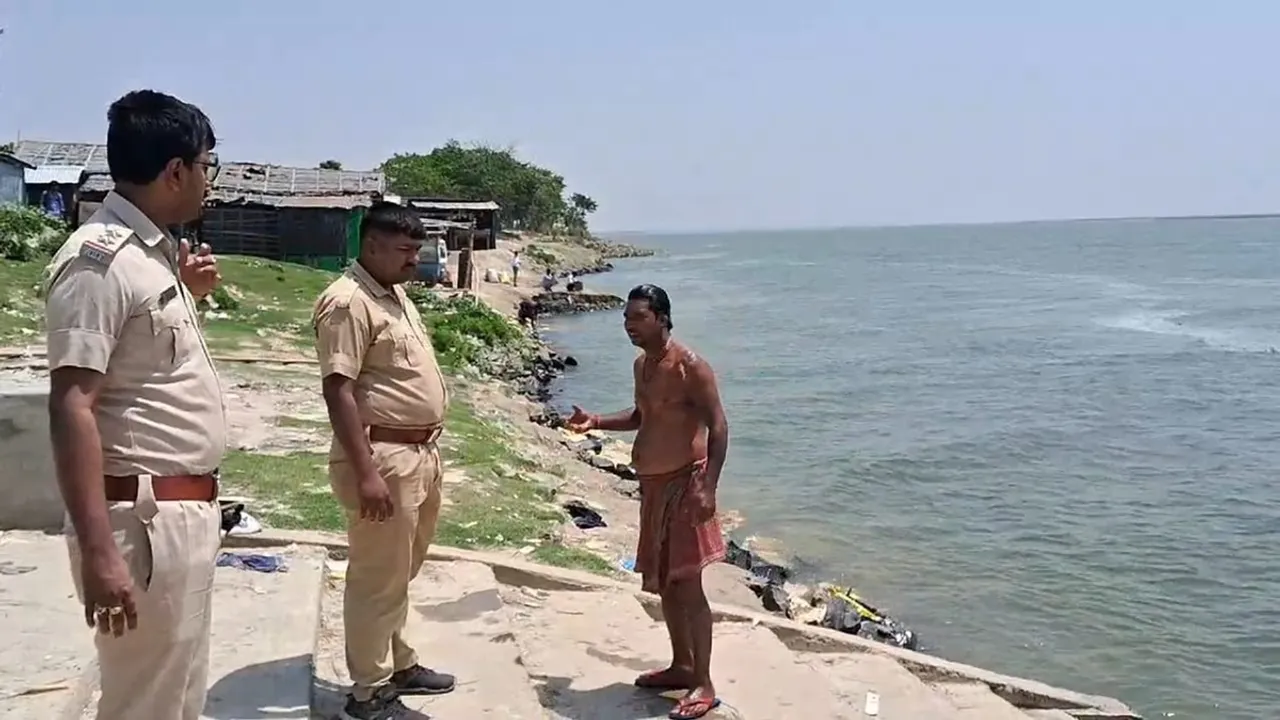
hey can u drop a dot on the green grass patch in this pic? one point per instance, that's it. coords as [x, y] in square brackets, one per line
[21, 309]
[496, 506]
[259, 300]
[264, 300]
[287, 491]
[542, 257]
[27, 234]
[464, 329]
[565, 556]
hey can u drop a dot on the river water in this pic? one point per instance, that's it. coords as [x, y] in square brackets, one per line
[1051, 448]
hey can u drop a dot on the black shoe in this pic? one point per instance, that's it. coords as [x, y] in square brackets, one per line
[384, 705]
[418, 680]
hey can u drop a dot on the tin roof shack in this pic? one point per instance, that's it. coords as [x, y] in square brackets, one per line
[89, 157]
[304, 215]
[13, 188]
[474, 221]
[64, 163]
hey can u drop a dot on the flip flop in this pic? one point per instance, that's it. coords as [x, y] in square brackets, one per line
[694, 709]
[652, 681]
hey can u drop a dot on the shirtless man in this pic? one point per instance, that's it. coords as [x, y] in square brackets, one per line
[678, 454]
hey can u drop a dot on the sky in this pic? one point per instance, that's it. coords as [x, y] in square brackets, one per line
[709, 115]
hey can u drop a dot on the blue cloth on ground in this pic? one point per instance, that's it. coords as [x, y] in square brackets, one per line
[258, 563]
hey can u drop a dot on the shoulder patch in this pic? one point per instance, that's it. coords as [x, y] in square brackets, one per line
[102, 248]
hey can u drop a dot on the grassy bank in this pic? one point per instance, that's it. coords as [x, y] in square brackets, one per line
[21, 310]
[261, 305]
[493, 499]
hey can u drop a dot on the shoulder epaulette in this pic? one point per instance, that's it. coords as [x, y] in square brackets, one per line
[103, 247]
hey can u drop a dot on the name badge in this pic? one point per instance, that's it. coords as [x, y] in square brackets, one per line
[168, 295]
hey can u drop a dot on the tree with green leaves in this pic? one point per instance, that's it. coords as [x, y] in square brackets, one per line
[330, 165]
[531, 197]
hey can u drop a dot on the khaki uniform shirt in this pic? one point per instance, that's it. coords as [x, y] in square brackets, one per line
[374, 335]
[115, 304]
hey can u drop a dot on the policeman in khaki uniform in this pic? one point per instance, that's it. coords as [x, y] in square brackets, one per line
[136, 414]
[386, 398]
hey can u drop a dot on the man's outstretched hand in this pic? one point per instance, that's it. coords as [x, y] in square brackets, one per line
[580, 421]
[200, 271]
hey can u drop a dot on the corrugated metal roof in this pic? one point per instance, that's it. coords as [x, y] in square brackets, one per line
[279, 180]
[91, 157]
[240, 178]
[344, 202]
[102, 183]
[279, 186]
[454, 204]
[97, 182]
[431, 223]
[61, 174]
[6, 157]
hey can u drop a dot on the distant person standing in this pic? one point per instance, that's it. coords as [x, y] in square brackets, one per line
[679, 451]
[386, 398]
[52, 202]
[136, 414]
[515, 268]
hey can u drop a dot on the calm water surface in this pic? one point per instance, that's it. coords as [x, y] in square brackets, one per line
[1052, 448]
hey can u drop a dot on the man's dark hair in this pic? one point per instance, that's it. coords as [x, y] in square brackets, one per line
[659, 303]
[146, 129]
[392, 219]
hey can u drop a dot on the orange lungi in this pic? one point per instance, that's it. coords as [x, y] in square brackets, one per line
[673, 545]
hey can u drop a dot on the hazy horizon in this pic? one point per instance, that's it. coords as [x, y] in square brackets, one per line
[909, 226]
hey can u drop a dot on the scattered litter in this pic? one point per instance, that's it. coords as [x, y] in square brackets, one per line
[337, 570]
[38, 690]
[248, 525]
[255, 562]
[584, 517]
[827, 606]
[8, 568]
[628, 564]
[872, 708]
[848, 613]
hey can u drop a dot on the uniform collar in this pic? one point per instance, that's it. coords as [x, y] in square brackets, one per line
[148, 232]
[362, 276]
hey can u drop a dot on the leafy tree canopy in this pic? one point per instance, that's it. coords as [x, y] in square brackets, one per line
[532, 197]
[330, 165]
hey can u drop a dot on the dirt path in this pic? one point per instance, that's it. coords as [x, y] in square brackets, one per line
[503, 296]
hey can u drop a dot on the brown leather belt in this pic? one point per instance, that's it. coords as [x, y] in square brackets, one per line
[167, 488]
[404, 436]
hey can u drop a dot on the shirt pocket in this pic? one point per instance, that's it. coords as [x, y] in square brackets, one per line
[408, 348]
[394, 347]
[172, 333]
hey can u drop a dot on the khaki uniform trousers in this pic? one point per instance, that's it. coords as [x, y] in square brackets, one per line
[160, 669]
[383, 557]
